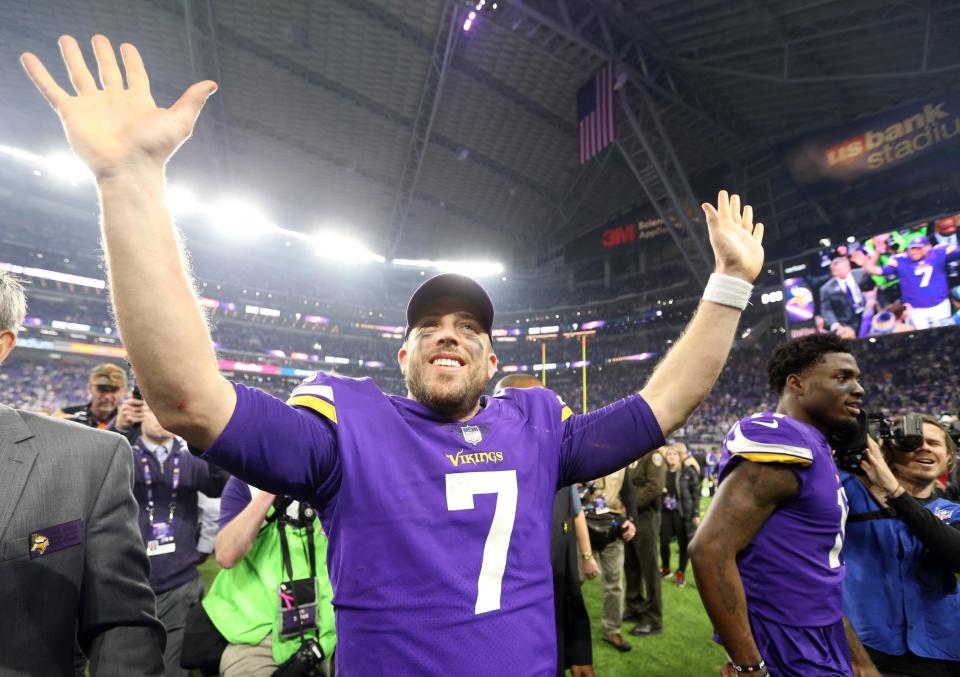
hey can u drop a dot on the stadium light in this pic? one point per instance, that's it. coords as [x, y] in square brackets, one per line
[181, 201]
[68, 167]
[471, 268]
[344, 249]
[239, 218]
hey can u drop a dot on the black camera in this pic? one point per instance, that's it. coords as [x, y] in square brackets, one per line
[953, 430]
[904, 433]
[307, 662]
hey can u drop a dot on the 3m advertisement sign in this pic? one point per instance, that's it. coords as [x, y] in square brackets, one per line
[614, 237]
[871, 146]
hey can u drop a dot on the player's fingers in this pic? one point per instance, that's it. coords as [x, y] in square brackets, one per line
[80, 77]
[758, 233]
[110, 76]
[191, 103]
[133, 65]
[747, 220]
[735, 208]
[37, 72]
[710, 212]
[723, 204]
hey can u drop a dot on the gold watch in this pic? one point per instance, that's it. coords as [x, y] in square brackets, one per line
[586, 555]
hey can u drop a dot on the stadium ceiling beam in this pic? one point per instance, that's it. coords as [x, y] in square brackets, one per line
[201, 29]
[577, 189]
[648, 152]
[653, 163]
[594, 36]
[787, 79]
[227, 36]
[443, 48]
[461, 64]
[787, 46]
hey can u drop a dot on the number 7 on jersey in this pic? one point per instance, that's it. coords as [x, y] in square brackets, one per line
[461, 488]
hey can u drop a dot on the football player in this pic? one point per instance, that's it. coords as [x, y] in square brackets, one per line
[437, 505]
[922, 272]
[767, 555]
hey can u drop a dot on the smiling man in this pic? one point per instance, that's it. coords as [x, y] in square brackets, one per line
[438, 568]
[106, 388]
[767, 555]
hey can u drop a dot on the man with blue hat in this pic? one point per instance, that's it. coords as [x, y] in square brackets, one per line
[922, 272]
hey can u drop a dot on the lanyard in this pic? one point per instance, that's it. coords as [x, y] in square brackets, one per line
[307, 515]
[148, 482]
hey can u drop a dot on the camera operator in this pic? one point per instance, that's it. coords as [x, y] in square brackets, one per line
[902, 552]
[266, 542]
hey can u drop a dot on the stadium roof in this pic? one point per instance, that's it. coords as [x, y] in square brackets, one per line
[388, 117]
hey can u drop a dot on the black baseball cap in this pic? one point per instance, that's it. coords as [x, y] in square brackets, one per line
[451, 284]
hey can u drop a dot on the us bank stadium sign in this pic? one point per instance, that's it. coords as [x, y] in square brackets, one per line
[868, 147]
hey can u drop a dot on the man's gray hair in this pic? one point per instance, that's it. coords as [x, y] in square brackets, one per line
[13, 303]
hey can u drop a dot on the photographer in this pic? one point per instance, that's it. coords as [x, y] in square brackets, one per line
[902, 553]
[610, 509]
[265, 542]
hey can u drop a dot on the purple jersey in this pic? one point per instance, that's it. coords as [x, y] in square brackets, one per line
[439, 531]
[923, 283]
[792, 571]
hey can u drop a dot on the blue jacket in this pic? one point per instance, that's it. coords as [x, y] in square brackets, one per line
[897, 594]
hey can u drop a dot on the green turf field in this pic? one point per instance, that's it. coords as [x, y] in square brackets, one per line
[685, 648]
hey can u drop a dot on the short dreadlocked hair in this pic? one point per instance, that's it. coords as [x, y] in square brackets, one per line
[794, 356]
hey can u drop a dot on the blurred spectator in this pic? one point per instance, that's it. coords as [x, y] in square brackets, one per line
[106, 387]
[168, 479]
[681, 511]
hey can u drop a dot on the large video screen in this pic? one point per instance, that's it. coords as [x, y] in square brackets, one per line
[903, 279]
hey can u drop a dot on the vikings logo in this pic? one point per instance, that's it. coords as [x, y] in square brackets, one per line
[39, 542]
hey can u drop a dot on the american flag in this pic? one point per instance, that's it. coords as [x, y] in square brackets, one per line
[596, 116]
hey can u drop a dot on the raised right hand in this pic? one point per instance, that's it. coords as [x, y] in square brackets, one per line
[118, 127]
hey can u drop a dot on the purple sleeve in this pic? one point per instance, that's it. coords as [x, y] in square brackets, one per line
[891, 266]
[951, 253]
[608, 439]
[279, 448]
[236, 496]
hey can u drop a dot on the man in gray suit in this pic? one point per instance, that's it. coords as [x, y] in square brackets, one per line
[73, 568]
[842, 301]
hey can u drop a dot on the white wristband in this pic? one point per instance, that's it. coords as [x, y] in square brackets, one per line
[728, 291]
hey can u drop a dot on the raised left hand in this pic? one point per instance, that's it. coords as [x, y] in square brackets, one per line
[736, 241]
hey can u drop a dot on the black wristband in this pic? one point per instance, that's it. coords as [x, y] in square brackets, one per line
[759, 667]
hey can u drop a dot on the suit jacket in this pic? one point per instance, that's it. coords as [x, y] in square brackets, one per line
[835, 305]
[73, 567]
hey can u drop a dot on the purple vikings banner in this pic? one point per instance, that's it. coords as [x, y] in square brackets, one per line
[873, 145]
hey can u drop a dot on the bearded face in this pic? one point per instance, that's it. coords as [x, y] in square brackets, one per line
[447, 360]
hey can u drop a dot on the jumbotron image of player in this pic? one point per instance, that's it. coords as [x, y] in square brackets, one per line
[438, 504]
[767, 555]
[922, 272]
